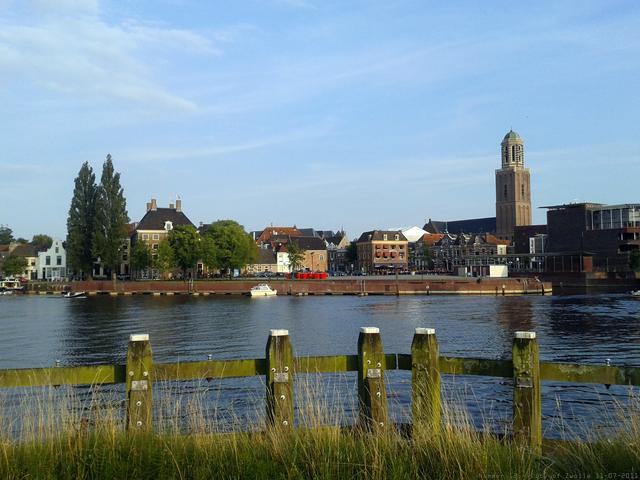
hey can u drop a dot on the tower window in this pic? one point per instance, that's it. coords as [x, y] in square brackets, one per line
[505, 192]
[522, 191]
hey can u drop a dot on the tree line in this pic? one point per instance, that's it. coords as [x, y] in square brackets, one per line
[97, 230]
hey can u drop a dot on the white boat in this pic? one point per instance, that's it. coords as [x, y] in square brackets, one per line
[75, 295]
[635, 293]
[9, 286]
[262, 290]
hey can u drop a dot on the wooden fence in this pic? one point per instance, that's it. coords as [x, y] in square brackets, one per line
[280, 367]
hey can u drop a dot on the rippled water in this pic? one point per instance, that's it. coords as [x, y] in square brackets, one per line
[37, 330]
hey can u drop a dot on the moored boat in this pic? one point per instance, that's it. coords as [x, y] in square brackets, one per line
[635, 293]
[75, 295]
[10, 286]
[262, 290]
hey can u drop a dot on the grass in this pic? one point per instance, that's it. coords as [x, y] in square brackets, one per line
[71, 435]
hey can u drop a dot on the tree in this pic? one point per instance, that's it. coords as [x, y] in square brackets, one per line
[296, 255]
[81, 220]
[164, 260]
[231, 246]
[14, 265]
[6, 235]
[634, 260]
[185, 243]
[140, 256]
[41, 242]
[111, 218]
[22, 240]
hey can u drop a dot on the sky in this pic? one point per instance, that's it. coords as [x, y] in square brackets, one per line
[316, 113]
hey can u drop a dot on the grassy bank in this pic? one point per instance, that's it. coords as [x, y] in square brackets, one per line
[67, 435]
[317, 453]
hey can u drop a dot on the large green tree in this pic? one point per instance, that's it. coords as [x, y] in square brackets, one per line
[140, 256]
[6, 235]
[14, 265]
[111, 218]
[164, 259]
[296, 255]
[185, 244]
[232, 246]
[81, 221]
[41, 242]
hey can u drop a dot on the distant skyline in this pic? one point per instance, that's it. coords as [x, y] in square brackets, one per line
[322, 114]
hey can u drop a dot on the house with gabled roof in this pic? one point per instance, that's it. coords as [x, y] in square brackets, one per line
[156, 223]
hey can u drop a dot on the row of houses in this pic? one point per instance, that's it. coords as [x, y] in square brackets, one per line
[49, 264]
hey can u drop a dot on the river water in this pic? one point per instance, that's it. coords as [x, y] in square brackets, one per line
[38, 330]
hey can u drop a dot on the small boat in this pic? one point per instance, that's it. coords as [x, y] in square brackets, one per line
[262, 290]
[635, 293]
[75, 295]
[10, 286]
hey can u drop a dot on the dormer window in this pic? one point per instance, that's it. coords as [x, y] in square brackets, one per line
[168, 225]
[397, 237]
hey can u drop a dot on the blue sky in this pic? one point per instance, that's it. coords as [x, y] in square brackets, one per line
[317, 113]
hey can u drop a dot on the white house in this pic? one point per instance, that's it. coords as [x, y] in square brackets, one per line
[52, 263]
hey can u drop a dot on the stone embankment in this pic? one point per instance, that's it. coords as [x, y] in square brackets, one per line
[360, 286]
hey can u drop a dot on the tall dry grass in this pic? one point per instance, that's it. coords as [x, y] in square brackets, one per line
[76, 433]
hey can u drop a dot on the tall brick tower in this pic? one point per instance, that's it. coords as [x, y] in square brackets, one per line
[513, 188]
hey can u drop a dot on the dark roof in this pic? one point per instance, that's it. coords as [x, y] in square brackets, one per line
[378, 235]
[155, 219]
[472, 225]
[25, 250]
[310, 243]
[335, 239]
[266, 256]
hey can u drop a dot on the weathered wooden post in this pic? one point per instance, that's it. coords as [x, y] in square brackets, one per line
[371, 391]
[527, 401]
[139, 383]
[425, 374]
[279, 379]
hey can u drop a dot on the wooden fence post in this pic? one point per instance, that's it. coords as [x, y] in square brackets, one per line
[139, 383]
[425, 375]
[527, 401]
[279, 379]
[371, 391]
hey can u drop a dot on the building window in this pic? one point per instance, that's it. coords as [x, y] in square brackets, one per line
[145, 236]
[124, 257]
[59, 260]
[156, 236]
[397, 237]
[47, 260]
[168, 225]
[505, 191]
[522, 190]
[155, 246]
[384, 236]
[57, 250]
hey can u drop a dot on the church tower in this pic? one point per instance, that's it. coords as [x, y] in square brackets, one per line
[513, 188]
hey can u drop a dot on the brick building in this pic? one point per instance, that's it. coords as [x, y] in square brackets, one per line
[380, 250]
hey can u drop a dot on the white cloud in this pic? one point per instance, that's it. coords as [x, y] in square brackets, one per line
[88, 57]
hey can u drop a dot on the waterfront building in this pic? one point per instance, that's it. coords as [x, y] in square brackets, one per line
[265, 263]
[513, 188]
[337, 260]
[605, 235]
[315, 253]
[276, 234]
[31, 257]
[382, 250]
[156, 223]
[52, 263]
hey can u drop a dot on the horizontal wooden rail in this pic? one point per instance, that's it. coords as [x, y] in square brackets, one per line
[208, 369]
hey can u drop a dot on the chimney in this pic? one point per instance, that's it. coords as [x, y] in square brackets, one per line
[171, 206]
[148, 206]
[154, 204]
[178, 205]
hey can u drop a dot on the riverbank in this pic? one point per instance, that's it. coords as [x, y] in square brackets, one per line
[360, 286]
[328, 452]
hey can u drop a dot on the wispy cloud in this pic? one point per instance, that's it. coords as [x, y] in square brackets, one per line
[84, 55]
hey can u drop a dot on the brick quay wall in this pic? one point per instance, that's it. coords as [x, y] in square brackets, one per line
[360, 286]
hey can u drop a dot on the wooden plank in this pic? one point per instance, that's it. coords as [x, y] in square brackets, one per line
[209, 369]
[279, 380]
[326, 364]
[425, 382]
[404, 361]
[604, 374]
[372, 395]
[37, 377]
[139, 384]
[476, 366]
[527, 399]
